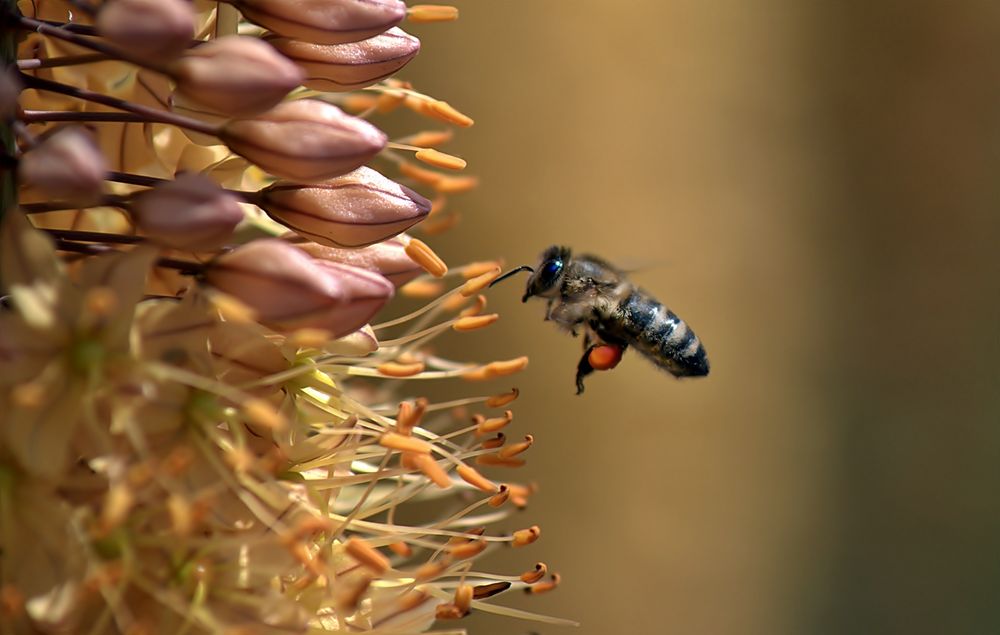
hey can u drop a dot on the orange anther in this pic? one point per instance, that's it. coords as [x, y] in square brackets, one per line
[366, 555]
[395, 369]
[489, 426]
[467, 550]
[516, 448]
[424, 256]
[492, 460]
[500, 497]
[430, 570]
[455, 184]
[430, 138]
[400, 549]
[396, 441]
[495, 442]
[474, 322]
[480, 282]
[446, 112]
[527, 536]
[432, 470]
[419, 174]
[431, 13]
[536, 574]
[422, 289]
[484, 591]
[498, 401]
[475, 479]
[439, 159]
[463, 597]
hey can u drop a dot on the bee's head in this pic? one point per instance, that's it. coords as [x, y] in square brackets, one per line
[545, 279]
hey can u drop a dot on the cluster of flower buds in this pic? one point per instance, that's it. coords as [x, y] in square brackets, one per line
[202, 425]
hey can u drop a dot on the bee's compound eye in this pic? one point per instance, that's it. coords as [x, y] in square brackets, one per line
[551, 270]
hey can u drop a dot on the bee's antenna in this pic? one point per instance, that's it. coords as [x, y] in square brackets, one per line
[512, 272]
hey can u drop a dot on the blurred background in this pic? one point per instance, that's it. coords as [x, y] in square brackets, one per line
[815, 188]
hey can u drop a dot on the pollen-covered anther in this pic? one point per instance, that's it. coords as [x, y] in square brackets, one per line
[448, 611]
[536, 574]
[423, 255]
[401, 549]
[475, 309]
[544, 587]
[396, 441]
[471, 476]
[397, 369]
[494, 460]
[480, 282]
[494, 442]
[493, 424]
[182, 518]
[455, 184]
[463, 596]
[439, 159]
[308, 338]
[497, 369]
[431, 570]
[467, 550]
[431, 469]
[431, 13]
[410, 413]
[498, 401]
[262, 413]
[446, 112]
[100, 301]
[474, 322]
[519, 494]
[500, 497]
[419, 174]
[441, 224]
[524, 537]
[367, 555]
[422, 289]
[430, 138]
[516, 448]
[118, 502]
[312, 526]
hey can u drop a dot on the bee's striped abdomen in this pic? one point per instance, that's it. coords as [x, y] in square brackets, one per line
[660, 335]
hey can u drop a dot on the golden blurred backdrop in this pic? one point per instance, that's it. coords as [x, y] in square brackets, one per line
[813, 187]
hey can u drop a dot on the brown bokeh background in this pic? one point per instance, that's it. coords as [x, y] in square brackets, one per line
[815, 188]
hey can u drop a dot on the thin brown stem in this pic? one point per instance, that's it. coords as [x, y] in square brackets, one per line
[184, 266]
[150, 114]
[94, 237]
[110, 200]
[65, 60]
[84, 41]
[44, 116]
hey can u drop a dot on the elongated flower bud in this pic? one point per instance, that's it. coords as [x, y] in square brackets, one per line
[342, 67]
[387, 258]
[149, 29]
[354, 210]
[304, 140]
[235, 75]
[291, 291]
[324, 21]
[190, 212]
[67, 165]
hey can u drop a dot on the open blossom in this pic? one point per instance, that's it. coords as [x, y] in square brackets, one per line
[208, 424]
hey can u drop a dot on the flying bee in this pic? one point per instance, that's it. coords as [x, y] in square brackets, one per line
[585, 293]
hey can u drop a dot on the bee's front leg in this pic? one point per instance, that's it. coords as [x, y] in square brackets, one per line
[548, 310]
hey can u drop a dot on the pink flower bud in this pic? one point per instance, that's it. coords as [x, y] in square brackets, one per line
[290, 291]
[342, 67]
[304, 140]
[235, 75]
[67, 165]
[354, 210]
[388, 258]
[148, 29]
[191, 213]
[324, 21]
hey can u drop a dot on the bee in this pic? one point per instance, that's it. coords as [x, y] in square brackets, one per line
[586, 293]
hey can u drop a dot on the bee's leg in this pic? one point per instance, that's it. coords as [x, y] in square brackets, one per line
[583, 369]
[548, 310]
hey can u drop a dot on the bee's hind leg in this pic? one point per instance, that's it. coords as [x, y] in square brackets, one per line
[584, 368]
